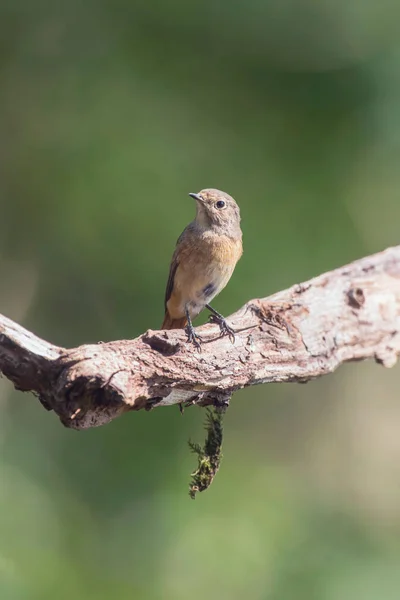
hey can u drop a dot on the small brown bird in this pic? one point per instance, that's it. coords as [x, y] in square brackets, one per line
[205, 257]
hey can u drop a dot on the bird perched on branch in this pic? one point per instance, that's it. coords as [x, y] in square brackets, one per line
[205, 257]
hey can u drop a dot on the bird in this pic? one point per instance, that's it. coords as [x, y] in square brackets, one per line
[204, 259]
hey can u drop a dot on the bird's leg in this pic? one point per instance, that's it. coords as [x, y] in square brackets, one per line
[190, 332]
[226, 329]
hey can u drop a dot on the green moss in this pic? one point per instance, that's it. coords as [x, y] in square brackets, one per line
[209, 456]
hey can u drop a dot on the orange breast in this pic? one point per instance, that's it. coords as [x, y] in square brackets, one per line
[205, 265]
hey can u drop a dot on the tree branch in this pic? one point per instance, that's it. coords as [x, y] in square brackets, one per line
[352, 313]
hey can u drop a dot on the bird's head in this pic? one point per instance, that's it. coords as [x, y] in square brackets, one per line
[217, 210]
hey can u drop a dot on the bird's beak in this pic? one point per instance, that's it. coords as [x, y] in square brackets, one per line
[197, 197]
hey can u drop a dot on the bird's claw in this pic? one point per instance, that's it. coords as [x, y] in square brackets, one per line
[193, 337]
[224, 327]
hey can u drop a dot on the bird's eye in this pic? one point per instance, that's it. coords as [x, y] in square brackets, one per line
[220, 204]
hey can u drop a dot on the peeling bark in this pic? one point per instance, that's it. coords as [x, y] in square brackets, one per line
[352, 313]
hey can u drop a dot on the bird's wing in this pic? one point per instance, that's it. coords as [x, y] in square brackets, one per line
[172, 270]
[171, 277]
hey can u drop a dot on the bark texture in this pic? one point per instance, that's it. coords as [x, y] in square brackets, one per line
[351, 313]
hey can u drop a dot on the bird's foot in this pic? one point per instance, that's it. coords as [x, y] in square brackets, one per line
[223, 326]
[193, 337]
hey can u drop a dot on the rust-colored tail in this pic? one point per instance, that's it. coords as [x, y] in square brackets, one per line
[170, 323]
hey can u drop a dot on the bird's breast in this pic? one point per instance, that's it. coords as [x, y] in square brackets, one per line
[209, 269]
[205, 265]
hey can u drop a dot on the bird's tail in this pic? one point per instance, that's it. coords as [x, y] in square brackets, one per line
[170, 323]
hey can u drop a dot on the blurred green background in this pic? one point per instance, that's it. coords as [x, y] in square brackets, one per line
[110, 113]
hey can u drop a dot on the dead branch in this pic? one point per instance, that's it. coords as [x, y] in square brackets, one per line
[352, 313]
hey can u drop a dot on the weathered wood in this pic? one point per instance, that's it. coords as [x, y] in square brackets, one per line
[352, 313]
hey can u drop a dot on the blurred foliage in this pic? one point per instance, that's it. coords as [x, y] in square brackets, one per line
[110, 113]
